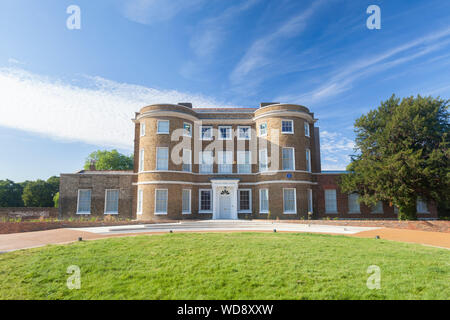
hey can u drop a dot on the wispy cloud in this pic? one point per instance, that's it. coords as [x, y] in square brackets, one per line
[336, 150]
[99, 113]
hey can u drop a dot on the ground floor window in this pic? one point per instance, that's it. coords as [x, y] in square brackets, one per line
[186, 205]
[161, 201]
[84, 201]
[330, 201]
[289, 201]
[245, 200]
[112, 202]
[263, 200]
[310, 201]
[205, 200]
[421, 206]
[139, 201]
[353, 203]
[378, 208]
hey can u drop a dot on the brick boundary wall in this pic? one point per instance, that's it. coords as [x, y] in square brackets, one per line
[29, 213]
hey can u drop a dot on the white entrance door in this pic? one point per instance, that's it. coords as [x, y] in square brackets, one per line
[225, 206]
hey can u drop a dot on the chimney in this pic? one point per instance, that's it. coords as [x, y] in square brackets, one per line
[265, 104]
[185, 104]
[92, 165]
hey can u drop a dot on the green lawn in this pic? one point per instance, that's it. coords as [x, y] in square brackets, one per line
[227, 266]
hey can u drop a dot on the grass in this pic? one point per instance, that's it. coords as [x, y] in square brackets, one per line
[227, 266]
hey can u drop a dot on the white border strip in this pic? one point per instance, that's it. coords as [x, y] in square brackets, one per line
[209, 183]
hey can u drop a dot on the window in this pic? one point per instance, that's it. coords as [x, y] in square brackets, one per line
[289, 201]
[263, 129]
[353, 203]
[306, 129]
[421, 206]
[308, 160]
[187, 129]
[161, 201]
[224, 133]
[330, 201]
[263, 200]
[162, 158]
[112, 202]
[141, 160]
[139, 201]
[378, 208]
[287, 126]
[205, 133]
[187, 160]
[263, 165]
[163, 127]
[84, 201]
[225, 161]
[288, 159]
[244, 133]
[205, 200]
[186, 201]
[245, 200]
[142, 129]
[310, 201]
[206, 161]
[244, 164]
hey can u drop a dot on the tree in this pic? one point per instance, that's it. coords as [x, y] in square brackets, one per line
[56, 200]
[402, 154]
[109, 160]
[10, 194]
[53, 185]
[38, 194]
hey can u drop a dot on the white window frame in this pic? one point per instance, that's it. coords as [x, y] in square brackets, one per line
[308, 159]
[307, 129]
[222, 164]
[201, 133]
[203, 165]
[186, 133]
[349, 207]
[140, 201]
[190, 160]
[163, 132]
[420, 203]
[190, 202]
[141, 160]
[310, 201]
[249, 199]
[167, 202]
[106, 201]
[261, 169]
[142, 129]
[78, 202]
[375, 207]
[260, 199]
[249, 133]
[293, 159]
[292, 125]
[335, 211]
[246, 164]
[200, 201]
[230, 128]
[157, 162]
[259, 130]
[295, 201]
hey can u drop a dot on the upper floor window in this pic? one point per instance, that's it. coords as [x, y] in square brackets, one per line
[378, 207]
[187, 129]
[244, 133]
[141, 160]
[162, 158]
[224, 133]
[353, 203]
[308, 160]
[206, 161]
[263, 129]
[421, 206]
[112, 202]
[244, 164]
[225, 161]
[84, 201]
[163, 127]
[187, 160]
[306, 129]
[263, 161]
[288, 159]
[287, 126]
[206, 133]
[330, 201]
[142, 129]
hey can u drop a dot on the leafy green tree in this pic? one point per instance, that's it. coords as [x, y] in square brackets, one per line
[54, 185]
[38, 194]
[10, 194]
[56, 200]
[402, 153]
[109, 160]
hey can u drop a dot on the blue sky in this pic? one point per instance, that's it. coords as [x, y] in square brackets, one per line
[65, 93]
